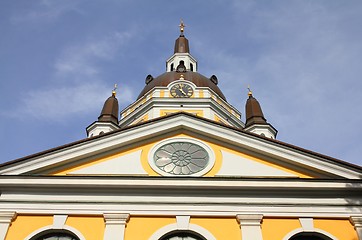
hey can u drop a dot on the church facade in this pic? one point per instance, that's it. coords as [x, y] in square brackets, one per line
[180, 164]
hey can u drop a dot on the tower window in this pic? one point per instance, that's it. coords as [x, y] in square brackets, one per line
[171, 67]
[191, 67]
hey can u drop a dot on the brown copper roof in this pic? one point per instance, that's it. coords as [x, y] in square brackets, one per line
[253, 112]
[194, 77]
[110, 110]
[182, 45]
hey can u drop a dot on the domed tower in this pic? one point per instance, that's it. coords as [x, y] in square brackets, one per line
[108, 119]
[181, 89]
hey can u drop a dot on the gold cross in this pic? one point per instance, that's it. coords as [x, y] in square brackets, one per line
[182, 27]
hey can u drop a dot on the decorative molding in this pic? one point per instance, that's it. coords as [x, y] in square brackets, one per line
[316, 230]
[183, 222]
[115, 225]
[307, 224]
[357, 223]
[174, 227]
[59, 221]
[5, 220]
[50, 227]
[250, 226]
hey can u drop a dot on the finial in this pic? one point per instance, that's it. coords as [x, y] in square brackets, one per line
[182, 77]
[250, 93]
[114, 92]
[182, 27]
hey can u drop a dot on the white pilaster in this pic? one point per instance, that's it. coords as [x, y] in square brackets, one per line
[357, 223]
[5, 220]
[250, 226]
[115, 225]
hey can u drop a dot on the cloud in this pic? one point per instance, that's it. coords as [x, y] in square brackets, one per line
[83, 59]
[78, 85]
[63, 103]
[46, 10]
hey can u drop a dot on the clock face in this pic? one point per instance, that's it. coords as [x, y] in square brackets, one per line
[181, 90]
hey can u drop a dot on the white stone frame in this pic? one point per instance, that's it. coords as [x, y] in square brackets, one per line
[315, 230]
[51, 227]
[174, 227]
[208, 149]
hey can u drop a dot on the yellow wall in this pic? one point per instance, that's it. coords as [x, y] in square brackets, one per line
[92, 228]
[340, 228]
[142, 228]
[220, 228]
[25, 225]
[277, 229]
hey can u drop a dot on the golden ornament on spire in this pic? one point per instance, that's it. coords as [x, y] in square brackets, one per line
[182, 27]
[250, 93]
[114, 92]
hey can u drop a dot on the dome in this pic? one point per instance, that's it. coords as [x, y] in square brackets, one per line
[253, 112]
[199, 80]
[110, 110]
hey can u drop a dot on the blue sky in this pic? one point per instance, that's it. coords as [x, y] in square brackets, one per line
[59, 61]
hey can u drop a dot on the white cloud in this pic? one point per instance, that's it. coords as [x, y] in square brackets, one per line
[78, 86]
[83, 59]
[63, 103]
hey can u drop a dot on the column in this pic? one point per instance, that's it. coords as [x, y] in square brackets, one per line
[5, 220]
[357, 223]
[250, 226]
[115, 225]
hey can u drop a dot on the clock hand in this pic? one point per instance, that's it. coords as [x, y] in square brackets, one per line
[182, 90]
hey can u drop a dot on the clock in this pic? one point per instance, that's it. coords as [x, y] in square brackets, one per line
[181, 90]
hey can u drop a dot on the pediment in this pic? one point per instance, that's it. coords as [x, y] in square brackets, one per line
[233, 153]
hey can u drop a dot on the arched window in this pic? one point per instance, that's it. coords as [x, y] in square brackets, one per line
[309, 236]
[59, 235]
[182, 236]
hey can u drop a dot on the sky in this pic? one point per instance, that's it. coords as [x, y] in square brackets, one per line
[59, 61]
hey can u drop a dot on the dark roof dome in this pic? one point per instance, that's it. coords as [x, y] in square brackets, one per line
[110, 110]
[199, 80]
[253, 112]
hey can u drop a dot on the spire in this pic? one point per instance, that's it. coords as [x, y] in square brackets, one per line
[253, 112]
[110, 109]
[181, 55]
[108, 119]
[182, 44]
[255, 120]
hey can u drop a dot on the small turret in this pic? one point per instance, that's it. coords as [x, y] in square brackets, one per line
[181, 54]
[108, 119]
[255, 120]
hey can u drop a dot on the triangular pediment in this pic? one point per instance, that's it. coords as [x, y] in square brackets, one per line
[135, 151]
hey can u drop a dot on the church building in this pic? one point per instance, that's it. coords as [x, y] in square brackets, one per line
[180, 163]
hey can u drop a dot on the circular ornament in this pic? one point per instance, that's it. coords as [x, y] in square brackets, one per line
[181, 158]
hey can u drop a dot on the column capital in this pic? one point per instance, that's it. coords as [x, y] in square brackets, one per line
[7, 217]
[116, 218]
[356, 221]
[249, 219]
